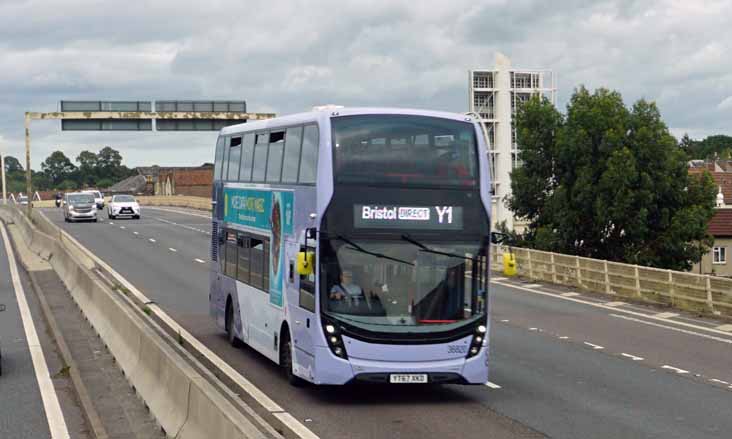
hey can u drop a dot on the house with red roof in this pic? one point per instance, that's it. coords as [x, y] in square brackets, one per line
[719, 259]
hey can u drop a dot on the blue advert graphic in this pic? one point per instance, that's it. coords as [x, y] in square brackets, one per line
[270, 211]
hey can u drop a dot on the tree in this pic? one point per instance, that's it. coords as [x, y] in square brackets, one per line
[87, 161]
[12, 164]
[57, 167]
[609, 182]
[109, 160]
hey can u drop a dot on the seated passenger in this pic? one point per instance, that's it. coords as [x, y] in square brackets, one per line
[346, 288]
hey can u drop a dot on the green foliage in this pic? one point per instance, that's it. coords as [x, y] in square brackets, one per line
[609, 182]
[712, 147]
[100, 170]
[12, 164]
[104, 183]
[58, 167]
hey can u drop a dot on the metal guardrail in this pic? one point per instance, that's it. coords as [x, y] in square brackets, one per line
[694, 292]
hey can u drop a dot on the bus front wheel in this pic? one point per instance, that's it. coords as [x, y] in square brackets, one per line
[286, 360]
[230, 334]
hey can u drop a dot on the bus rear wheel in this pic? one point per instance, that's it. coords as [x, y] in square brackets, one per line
[229, 324]
[286, 361]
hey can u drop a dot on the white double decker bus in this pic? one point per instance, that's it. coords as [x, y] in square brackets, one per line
[351, 245]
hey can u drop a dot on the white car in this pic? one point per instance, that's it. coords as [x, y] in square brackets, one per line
[123, 205]
[98, 198]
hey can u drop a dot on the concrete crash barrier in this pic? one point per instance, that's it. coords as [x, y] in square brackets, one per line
[200, 203]
[184, 403]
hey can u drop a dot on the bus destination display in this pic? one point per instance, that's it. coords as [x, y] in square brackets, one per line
[408, 217]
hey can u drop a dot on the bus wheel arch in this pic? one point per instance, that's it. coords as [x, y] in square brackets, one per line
[286, 349]
[230, 323]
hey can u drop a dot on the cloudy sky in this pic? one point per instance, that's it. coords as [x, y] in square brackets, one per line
[286, 56]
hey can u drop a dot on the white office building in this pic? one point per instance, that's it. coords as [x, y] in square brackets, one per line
[494, 95]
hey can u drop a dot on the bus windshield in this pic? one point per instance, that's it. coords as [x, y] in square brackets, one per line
[374, 284]
[404, 150]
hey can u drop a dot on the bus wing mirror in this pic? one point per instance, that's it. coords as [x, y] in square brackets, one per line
[305, 263]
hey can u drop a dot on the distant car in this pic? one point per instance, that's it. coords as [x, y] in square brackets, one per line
[123, 205]
[22, 199]
[98, 198]
[79, 206]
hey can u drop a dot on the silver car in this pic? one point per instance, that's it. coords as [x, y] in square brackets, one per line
[79, 206]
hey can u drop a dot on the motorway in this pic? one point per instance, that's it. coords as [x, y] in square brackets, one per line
[564, 365]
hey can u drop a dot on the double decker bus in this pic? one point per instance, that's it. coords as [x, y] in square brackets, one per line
[352, 245]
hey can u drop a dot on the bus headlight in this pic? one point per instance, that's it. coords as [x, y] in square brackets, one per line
[477, 343]
[335, 343]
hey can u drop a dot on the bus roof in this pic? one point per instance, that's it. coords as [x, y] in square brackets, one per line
[314, 116]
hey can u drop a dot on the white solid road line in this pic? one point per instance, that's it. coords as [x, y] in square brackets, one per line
[492, 385]
[56, 421]
[675, 369]
[632, 357]
[172, 249]
[499, 278]
[623, 311]
[200, 261]
[665, 315]
[265, 401]
[714, 380]
[151, 240]
[531, 286]
[569, 294]
[683, 331]
[614, 304]
[594, 346]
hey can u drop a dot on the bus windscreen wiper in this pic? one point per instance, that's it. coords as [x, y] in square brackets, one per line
[363, 250]
[411, 240]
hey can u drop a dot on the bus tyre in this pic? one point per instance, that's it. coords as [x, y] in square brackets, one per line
[230, 334]
[286, 361]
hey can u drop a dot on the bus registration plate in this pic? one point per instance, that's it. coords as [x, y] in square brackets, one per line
[407, 378]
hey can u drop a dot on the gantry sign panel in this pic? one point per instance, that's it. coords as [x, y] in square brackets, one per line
[200, 123]
[139, 115]
[92, 124]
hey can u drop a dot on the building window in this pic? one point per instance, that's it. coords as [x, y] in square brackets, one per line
[719, 255]
[483, 79]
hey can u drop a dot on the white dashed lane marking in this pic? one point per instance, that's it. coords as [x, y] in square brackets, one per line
[151, 240]
[532, 286]
[564, 337]
[200, 261]
[172, 249]
[675, 369]
[632, 357]
[569, 294]
[136, 233]
[614, 304]
[594, 346]
[492, 385]
[499, 278]
[122, 227]
[665, 315]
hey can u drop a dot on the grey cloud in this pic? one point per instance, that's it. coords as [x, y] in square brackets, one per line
[288, 56]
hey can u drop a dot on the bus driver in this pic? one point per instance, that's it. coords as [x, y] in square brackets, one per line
[346, 288]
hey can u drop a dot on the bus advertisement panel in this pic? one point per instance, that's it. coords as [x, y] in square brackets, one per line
[269, 212]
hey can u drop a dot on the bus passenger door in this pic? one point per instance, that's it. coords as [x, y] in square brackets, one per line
[301, 300]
